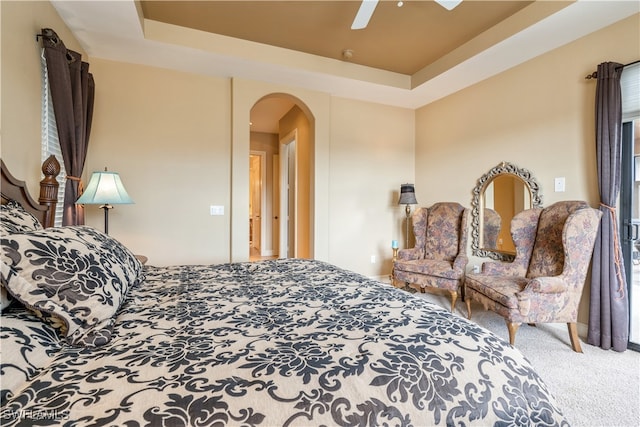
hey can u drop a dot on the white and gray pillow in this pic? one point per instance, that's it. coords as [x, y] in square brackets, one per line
[75, 277]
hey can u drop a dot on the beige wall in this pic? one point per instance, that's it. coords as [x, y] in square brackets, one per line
[167, 134]
[20, 84]
[372, 150]
[181, 143]
[539, 116]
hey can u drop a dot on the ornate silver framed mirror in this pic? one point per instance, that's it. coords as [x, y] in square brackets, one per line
[498, 196]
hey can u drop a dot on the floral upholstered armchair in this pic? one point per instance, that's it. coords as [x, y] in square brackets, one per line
[438, 259]
[543, 284]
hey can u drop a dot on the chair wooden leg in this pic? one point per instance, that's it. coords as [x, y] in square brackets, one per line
[468, 302]
[415, 287]
[454, 298]
[513, 328]
[573, 334]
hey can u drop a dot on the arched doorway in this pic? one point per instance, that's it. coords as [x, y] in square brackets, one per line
[316, 107]
[281, 131]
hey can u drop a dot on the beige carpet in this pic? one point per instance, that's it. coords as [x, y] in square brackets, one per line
[595, 388]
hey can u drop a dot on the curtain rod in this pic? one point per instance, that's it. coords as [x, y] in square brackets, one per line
[594, 75]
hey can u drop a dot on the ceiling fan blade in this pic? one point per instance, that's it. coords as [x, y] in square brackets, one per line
[448, 4]
[364, 14]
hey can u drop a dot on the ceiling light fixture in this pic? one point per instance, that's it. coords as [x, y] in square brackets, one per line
[449, 4]
[364, 14]
[367, 7]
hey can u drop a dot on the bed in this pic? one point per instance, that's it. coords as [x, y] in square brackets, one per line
[93, 338]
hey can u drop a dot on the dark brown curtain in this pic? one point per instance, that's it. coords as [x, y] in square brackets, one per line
[72, 94]
[609, 309]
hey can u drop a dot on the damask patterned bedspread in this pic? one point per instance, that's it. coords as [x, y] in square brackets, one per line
[273, 343]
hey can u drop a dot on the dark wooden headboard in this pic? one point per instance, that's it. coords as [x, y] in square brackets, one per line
[14, 189]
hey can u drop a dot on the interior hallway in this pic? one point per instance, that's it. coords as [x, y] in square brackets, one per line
[254, 255]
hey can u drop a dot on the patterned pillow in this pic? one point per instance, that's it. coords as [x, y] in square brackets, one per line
[14, 219]
[75, 274]
[5, 298]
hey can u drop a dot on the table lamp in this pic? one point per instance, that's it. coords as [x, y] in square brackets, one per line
[106, 189]
[407, 198]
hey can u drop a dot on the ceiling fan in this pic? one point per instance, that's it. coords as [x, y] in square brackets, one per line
[368, 6]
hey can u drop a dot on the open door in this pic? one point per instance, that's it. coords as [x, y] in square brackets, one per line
[257, 201]
[288, 196]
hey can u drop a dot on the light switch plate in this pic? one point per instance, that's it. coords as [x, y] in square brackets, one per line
[216, 210]
[559, 184]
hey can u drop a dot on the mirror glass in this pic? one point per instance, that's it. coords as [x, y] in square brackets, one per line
[500, 194]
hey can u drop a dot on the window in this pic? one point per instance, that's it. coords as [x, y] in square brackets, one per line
[50, 143]
[630, 194]
[630, 87]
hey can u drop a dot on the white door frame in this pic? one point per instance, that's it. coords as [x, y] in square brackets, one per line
[276, 221]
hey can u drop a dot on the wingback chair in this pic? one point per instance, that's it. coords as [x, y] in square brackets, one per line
[543, 284]
[438, 259]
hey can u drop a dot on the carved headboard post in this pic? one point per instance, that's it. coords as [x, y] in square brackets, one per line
[49, 189]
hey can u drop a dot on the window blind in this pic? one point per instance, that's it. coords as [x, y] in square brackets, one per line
[50, 143]
[630, 85]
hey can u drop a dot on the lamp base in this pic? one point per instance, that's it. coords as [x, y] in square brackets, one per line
[407, 211]
[106, 217]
